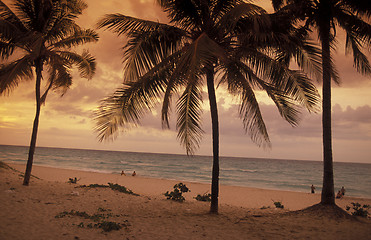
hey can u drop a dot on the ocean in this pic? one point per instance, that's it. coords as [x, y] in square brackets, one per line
[291, 175]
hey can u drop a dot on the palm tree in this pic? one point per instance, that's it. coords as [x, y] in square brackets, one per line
[325, 16]
[39, 34]
[234, 42]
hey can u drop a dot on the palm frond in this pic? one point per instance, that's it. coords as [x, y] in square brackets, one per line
[278, 4]
[293, 83]
[189, 67]
[129, 103]
[6, 49]
[221, 8]
[186, 13]
[62, 28]
[202, 52]
[60, 77]
[122, 24]
[251, 116]
[240, 11]
[146, 49]
[356, 26]
[360, 60]
[189, 117]
[12, 73]
[175, 81]
[75, 6]
[236, 74]
[358, 6]
[85, 62]
[286, 106]
[7, 16]
[358, 36]
[78, 38]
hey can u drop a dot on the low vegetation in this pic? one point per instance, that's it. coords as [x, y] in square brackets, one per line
[115, 187]
[359, 210]
[100, 219]
[177, 193]
[278, 204]
[206, 197]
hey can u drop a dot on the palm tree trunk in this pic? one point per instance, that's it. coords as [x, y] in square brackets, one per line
[328, 195]
[31, 151]
[215, 129]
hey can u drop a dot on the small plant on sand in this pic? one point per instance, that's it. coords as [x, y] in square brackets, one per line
[115, 187]
[100, 220]
[120, 188]
[73, 180]
[359, 210]
[278, 204]
[206, 197]
[108, 226]
[265, 207]
[177, 194]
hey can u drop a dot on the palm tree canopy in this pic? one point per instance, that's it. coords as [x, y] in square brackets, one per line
[248, 48]
[43, 30]
[353, 16]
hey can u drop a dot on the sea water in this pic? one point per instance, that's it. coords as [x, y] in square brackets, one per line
[292, 175]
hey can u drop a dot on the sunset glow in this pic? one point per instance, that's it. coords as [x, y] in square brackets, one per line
[67, 121]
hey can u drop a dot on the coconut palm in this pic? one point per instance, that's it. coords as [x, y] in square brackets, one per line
[229, 43]
[325, 16]
[38, 35]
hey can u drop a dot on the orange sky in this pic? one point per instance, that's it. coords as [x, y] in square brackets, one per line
[67, 122]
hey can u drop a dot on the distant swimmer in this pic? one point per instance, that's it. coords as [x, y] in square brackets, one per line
[312, 188]
[123, 173]
[134, 173]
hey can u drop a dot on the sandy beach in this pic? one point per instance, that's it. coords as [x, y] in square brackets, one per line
[51, 208]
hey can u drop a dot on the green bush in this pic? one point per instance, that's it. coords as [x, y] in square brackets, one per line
[206, 197]
[278, 204]
[109, 226]
[359, 210]
[177, 194]
[98, 218]
[120, 188]
[115, 187]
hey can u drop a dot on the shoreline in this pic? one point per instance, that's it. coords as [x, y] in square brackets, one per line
[247, 197]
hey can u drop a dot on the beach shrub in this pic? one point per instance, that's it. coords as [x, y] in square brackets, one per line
[108, 226]
[177, 193]
[95, 217]
[98, 218]
[94, 186]
[206, 197]
[73, 180]
[278, 204]
[120, 188]
[265, 207]
[115, 187]
[359, 210]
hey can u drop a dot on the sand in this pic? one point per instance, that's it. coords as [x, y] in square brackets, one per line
[30, 212]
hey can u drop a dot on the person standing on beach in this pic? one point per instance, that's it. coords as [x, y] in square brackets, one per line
[312, 188]
[134, 173]
[123, 173]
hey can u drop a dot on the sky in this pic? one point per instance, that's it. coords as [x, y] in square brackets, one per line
[67, 121]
